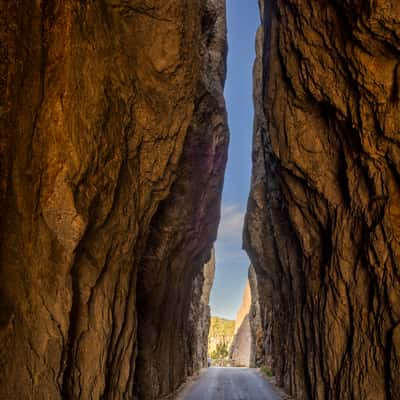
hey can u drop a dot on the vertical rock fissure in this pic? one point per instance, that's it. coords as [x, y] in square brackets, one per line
[68, 355]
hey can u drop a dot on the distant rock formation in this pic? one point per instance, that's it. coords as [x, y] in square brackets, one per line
[241, 348]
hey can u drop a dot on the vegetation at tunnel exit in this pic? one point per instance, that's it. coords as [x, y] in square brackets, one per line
[221, 352]
[221, 327]
[266, 371]
[220, 337]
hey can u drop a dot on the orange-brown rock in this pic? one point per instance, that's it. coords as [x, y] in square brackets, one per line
[110, 113]
[323, 221]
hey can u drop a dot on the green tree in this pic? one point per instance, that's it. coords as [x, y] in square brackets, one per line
[220, 352]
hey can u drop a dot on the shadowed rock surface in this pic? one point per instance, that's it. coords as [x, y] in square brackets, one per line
[112, 152]
[185, 227]
[200, 314]
[323, 221]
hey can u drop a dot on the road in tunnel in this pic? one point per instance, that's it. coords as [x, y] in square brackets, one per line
[230, 384]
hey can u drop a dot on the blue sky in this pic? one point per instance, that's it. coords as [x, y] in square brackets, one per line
[231, 261]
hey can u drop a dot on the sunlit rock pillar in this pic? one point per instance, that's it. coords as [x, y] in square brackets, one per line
[241, 347]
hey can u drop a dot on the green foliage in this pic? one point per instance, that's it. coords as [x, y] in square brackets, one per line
[220, 338]
[221, 352]
[266, 371]
[221, 327]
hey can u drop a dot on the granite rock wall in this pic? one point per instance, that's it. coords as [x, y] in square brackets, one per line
[323, 220]
[111, 112]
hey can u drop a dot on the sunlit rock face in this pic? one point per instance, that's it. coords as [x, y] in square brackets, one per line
[323, 220]
[112, 152]
[241, 347]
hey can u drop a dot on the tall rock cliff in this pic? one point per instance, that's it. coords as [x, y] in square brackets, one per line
[112, 152]
[323, 221]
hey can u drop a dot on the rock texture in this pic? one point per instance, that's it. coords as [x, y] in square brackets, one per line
[200, 314]
[185, 226]
[323, 221]
[241, 347]
[257, 322]
[112, 124]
